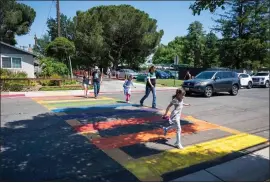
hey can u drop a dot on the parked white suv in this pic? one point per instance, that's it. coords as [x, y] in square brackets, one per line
[261, 79]
[245, 80]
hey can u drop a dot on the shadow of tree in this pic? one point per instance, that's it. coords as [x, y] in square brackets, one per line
[46, 148]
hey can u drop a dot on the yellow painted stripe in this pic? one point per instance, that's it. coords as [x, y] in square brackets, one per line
[176, 159]
[80, 100]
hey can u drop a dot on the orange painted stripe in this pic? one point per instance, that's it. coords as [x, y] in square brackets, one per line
[111, 124]
[130, 139]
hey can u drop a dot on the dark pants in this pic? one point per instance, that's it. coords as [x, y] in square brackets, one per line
[149, 89]
[96, 88]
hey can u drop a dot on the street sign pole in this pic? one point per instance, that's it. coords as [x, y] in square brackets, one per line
[176, 60]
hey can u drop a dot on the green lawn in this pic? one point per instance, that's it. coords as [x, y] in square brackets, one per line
[166, 82]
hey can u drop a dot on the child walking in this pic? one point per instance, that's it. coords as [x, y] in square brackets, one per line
[85, 83]
[174, 119]
[127, 87]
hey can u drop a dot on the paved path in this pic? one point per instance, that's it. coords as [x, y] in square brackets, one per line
[71, 138]
[107, 87]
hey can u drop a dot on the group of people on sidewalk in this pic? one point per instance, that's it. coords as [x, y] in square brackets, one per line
[96, 79]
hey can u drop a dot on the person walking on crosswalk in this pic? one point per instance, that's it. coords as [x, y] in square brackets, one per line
[174, 119]
[150, 86]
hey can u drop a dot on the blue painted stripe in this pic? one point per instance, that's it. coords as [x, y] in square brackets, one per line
[75, 109]
[96, 114]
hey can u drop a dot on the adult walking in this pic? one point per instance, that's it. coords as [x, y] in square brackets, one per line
[150, 86]
[187, 76]
[96, 80]
[85, 83]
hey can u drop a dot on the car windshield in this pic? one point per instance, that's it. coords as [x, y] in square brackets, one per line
[205, 75]
[261, 74]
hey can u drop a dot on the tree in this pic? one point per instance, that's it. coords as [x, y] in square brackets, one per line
[245, 31]
[166, 54]
[210, 5]
[245, 34]
[194, 46]
[89, 41]
[42, 44]
[15, 19]
[60, 48]
[125, 34]
[211, 51]
[67, 27]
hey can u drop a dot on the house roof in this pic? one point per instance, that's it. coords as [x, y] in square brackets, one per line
[13, 47]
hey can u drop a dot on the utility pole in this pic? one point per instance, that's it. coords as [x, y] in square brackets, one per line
[58, 18]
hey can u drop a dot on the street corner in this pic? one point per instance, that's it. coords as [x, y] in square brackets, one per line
[133, 137]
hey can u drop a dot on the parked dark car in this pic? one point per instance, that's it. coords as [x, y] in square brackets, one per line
[209, 82]
[162, 75]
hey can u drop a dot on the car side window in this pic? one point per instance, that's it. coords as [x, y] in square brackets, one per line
[228, 74]
[244, 76]
[219, 75]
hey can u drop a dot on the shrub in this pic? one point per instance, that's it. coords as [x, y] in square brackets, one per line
[12, 87]
[49, 82]
[73, 82]
[51, 66]
[45, 82]
[5, 73]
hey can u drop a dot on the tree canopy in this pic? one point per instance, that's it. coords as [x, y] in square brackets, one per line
[117, 34]
[67, 26]
[15, 19]
[60, 48]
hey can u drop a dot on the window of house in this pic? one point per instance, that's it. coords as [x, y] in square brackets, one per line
[11, 62]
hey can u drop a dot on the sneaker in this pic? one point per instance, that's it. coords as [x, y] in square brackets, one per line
[141, 104]
[154, 108]
[179, 146]
[127, 101]
[165, 131]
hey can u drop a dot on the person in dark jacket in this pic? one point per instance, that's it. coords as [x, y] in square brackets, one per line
[96, 80]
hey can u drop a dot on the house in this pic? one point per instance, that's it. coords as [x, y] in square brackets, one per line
[17, 59]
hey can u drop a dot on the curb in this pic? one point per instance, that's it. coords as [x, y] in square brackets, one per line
[12, 95]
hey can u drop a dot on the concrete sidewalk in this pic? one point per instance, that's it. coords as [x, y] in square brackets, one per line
[252, 167]
[107, 87]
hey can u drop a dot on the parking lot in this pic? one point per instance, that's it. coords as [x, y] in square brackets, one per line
[78, 139]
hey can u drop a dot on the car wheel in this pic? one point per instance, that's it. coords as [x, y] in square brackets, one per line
[208, 92]
[267, 84]
[249, 86]
[234, 90]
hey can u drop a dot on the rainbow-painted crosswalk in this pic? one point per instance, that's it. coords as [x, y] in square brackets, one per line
[133, 137]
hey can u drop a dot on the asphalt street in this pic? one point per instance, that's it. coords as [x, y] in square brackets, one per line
[37, 145]
[247, 112]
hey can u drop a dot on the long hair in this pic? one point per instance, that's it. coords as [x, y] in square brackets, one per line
[152, 67]
[179, 91]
